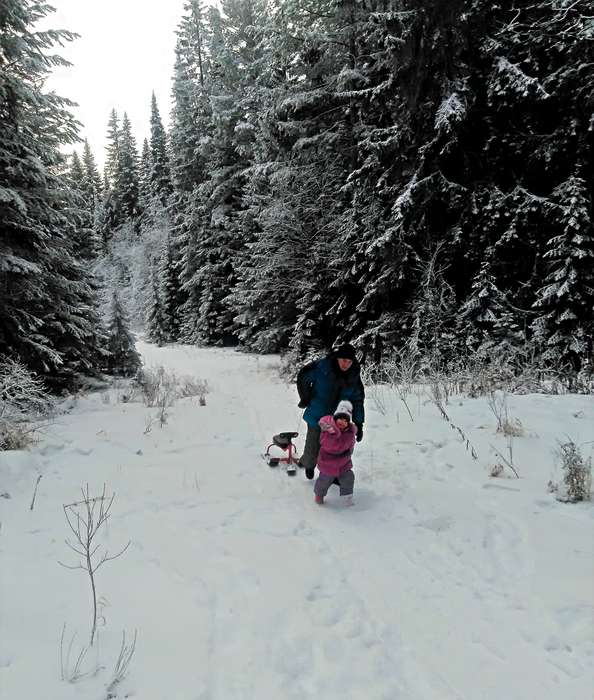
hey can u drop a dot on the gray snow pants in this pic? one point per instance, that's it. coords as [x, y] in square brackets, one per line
[309, 458]
[346, 481]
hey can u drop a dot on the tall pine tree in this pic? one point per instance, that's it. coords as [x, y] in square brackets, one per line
[48, 317]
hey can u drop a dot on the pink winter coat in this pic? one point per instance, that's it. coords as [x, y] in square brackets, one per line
[336, 447]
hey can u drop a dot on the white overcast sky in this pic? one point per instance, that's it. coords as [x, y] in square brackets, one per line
[125, 51]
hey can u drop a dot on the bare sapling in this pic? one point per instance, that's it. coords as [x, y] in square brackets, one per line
[85, 519]
[394, 375]
[371, 375]
[401, 377]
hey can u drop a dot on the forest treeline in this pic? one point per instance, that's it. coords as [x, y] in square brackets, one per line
[409, 176]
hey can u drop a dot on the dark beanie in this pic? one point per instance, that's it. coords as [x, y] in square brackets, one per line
[346, 352]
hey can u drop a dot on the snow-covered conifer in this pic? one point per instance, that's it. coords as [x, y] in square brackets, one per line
[112, 159]
[156, 322]
[48, 313]
[565, 303]
[92, 185]
[126, 184]
[123, 357]
[160, 176]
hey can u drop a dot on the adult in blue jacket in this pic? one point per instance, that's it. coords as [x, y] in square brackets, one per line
[321, 385]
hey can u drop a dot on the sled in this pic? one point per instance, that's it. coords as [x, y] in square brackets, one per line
[282, 451]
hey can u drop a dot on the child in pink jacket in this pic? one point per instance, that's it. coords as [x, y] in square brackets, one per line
[337, 441]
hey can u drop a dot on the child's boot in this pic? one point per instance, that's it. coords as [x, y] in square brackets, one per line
[319, 499]
[347, 500]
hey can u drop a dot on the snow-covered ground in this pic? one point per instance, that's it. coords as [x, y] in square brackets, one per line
[441, 583]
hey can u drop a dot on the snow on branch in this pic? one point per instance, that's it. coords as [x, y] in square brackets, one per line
[349, 78]
[451, 111]
[509, 77]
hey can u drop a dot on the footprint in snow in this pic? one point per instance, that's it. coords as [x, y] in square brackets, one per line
[439, 524]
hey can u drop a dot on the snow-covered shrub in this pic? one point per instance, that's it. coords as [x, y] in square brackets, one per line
[376, 389]
[576, 484]
[22, 399]
[161, 388]
[510, 427]
[190, 386]
[496, 470]
[127, 391]
[152, 383]
[15, 436]
[394, 376]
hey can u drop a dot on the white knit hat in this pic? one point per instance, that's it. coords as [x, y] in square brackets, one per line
[344, 410]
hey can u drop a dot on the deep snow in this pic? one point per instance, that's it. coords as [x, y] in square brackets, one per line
[441, 583]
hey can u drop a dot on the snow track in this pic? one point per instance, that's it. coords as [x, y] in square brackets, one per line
[439, 584]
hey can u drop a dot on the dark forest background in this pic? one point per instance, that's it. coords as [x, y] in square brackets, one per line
[413, 177]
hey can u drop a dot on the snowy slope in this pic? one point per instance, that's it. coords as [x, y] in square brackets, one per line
[441, 583]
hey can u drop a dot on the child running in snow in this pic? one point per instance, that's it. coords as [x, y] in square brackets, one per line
[337, 441]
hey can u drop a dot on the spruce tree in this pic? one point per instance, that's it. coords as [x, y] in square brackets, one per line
[84, 177]
[156, 322]
[123, 357]
[126, 186]
[565, 303]
[168, 291]
[112, 159]
[486, 321]
[85, 245]
[48, 313]
[160, 176]
[92, 185]
[76, 171]
[144, 186]
[191, 131]
[190, 117]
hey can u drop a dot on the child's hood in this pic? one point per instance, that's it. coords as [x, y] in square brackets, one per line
[328, 423]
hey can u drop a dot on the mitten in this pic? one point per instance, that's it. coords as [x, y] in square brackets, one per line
[359, 431]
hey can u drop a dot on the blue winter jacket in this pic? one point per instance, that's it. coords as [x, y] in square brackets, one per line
[322, 384]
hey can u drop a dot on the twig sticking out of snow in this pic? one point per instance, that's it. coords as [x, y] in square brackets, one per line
[71, 671]
[122, 664]
[436, 396]
[35, 492]
[509, 462]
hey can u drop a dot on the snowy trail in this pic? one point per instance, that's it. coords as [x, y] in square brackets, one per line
[439, 584]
